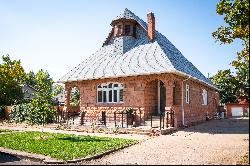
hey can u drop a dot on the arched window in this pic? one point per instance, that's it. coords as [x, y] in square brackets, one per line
[204, 97]
[110, 93]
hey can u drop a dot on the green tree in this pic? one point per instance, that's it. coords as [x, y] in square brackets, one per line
[57, 89]
[75, 97]
[30, 79]
[227, 85]
[41, 111]
[11, 79]
[236, 17]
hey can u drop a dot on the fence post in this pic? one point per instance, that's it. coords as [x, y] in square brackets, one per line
[163, 119]
[134, 118]
[167, 118]
[160, 120]
[173, 118]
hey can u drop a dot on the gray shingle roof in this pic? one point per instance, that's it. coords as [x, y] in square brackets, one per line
[129, 56]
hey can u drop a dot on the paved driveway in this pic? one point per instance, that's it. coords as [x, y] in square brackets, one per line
[213, 142]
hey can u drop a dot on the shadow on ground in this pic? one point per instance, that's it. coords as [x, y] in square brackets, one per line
[4, 158]
[222, 126]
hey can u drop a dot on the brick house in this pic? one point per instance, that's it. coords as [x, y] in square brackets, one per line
[139, 67]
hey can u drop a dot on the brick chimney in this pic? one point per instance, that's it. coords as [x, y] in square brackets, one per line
[151, 26]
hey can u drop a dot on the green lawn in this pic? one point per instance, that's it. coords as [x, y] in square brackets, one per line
[61, 146]
[5, 130]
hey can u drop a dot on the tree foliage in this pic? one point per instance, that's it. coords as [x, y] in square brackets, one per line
[227, 85]
[75, 97]
[38, 110]
[11, 79]
[41, 111]
[30, 79]
[236, 17]
[57, 89]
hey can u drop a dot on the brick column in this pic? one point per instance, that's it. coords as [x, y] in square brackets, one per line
[169, 94]
[67, 97]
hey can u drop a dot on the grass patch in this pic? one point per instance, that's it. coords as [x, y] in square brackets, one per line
[61, 146]
[5, 130]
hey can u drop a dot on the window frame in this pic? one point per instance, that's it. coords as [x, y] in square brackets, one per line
[107, 89]
[204, 94]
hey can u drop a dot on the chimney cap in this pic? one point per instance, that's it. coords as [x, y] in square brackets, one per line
[150, 12]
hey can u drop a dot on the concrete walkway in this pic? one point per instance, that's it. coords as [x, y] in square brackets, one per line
[214, 142]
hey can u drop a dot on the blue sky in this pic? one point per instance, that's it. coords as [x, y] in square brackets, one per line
[56, 35]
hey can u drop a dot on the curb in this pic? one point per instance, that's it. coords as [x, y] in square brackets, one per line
[31, 156]
[49, 160]
[99, 155]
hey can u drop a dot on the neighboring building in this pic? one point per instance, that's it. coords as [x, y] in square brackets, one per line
[59, 99]
[139, 67]
[237, 109]
[29, 92]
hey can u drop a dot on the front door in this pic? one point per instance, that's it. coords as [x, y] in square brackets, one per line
[161, 97]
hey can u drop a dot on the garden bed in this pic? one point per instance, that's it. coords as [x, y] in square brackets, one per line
[61, 146]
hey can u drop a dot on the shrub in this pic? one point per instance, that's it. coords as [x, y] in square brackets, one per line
[29, 113]
[21, 112]
[1, 112]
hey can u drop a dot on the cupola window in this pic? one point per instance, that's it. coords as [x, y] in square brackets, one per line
[127, 29]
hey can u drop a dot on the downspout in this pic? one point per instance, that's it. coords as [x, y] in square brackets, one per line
[182, 101]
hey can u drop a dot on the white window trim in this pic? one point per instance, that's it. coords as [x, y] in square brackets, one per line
[119, 88]
[187, 94]
[204, 97]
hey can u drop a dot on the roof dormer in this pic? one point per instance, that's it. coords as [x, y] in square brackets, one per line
[124, 27]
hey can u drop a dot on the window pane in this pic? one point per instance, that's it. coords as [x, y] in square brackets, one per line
[99, 96]
[110, 96]
[119, 29]
[99, 86]
[115, 85]
[121, 95]
[110, 85]
[115, 95]
[104, 96]
[127, 29]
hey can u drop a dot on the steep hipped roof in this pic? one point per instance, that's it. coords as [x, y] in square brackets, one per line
[129, 56]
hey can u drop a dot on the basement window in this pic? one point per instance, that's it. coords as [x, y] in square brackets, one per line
[110, 93]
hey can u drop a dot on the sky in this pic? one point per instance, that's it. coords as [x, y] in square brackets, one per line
[57, 35]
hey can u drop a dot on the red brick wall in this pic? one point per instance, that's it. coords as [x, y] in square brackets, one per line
[141, 91]
[150, 98]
